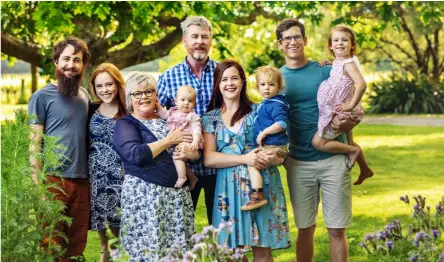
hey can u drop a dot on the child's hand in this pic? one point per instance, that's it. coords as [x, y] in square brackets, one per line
[325, 62]
[260, 137]
[345, 107]
[194, 146]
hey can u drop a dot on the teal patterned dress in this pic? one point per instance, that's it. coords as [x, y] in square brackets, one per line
[263, 227]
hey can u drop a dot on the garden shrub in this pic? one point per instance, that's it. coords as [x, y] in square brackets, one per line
[404, 94]
[29, 212]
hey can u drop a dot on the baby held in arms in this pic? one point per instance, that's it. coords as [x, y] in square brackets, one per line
[176, 117]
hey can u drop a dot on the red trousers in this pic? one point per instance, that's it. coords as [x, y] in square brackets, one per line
[77, 207]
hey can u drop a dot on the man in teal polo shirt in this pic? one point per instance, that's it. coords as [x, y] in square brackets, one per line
[309, 170]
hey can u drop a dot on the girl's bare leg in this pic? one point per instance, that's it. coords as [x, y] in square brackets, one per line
[181, 169]
[332, 146]
[366, 172]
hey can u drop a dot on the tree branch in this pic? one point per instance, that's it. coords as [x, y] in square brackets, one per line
[410, 34]
[399, 47]
[135, 53]
[12, 46]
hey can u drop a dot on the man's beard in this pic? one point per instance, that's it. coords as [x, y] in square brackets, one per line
[199, 56]
[68, 85]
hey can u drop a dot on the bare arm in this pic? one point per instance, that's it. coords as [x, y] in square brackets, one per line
[271, 130]
[352, 70]
[35, 147]
[214, 159]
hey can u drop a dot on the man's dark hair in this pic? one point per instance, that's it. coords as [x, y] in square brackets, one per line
[287, 24]
[78, 44]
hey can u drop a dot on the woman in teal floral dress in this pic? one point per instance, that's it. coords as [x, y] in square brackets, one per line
[230, 147]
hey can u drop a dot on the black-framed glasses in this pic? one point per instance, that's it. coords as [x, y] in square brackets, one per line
[147, 92]
[287, 39]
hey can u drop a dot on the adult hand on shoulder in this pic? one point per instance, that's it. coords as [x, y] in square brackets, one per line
[343, 123]
[252, 159]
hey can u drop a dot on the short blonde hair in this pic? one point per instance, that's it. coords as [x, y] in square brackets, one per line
[346, 29]
[200, 21]
[134, 80]
[189, 89]
[273, 73]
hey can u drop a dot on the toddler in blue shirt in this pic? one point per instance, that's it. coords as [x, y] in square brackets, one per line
[270, 127]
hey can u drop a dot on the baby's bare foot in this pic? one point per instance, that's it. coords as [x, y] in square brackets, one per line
[363, 176]
[352, 157]
[180, 182]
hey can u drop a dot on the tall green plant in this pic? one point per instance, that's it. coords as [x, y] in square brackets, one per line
[406, 94]
[29, 212]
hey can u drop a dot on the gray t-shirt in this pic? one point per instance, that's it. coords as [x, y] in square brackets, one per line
[66, 118]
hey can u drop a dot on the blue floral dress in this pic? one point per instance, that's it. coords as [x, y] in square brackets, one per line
[263, 227]
[105, 170]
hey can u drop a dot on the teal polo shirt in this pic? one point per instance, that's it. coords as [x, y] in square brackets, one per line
[301, 92]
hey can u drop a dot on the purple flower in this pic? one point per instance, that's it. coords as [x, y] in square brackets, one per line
[362, 244]
[413, 258]
[416, 243]
[369, 237]
[405, 199]
[436, 233]
[441, 257]
[390, 245]
[382, 235]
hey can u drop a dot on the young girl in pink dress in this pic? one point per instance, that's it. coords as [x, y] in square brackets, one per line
[341, 95]
[183, 113]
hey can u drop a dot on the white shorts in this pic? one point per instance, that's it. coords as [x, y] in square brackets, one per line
[332, 176]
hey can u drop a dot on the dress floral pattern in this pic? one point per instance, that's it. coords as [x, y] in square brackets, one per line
[337, 89]
[155, 218]
[264, 227]
[105, 171]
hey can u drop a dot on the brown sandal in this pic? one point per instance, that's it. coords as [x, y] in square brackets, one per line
[257, 200]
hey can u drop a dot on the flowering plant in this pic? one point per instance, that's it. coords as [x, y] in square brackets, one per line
[206, 248]
[421, 242]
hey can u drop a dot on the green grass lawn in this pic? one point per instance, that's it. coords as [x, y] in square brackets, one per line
[406, 160]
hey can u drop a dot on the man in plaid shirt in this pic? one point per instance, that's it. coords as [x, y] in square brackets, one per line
[197, 71]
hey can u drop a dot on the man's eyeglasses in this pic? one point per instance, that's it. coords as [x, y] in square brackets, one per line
[287, 39]
[148, 93]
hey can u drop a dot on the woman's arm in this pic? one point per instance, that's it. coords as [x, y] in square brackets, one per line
[352, 70]
[214, 159]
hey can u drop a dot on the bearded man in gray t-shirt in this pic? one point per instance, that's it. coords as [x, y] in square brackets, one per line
[61, 110]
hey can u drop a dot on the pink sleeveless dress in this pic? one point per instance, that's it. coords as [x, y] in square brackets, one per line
[337, 89]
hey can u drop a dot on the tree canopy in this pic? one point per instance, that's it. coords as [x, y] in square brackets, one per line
[125, 33]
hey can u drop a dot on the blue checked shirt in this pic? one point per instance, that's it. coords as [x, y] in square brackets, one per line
[181, 75]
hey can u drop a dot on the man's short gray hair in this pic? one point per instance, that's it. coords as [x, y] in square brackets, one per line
[134, 80]
[200, 21]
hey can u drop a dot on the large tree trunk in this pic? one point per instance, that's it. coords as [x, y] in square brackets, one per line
[34, 78]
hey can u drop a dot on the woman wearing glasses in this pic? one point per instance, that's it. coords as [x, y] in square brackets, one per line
[105, 168]
[155, 215]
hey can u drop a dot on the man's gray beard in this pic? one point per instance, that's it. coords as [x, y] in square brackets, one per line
[199, 57]
[68, 86]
